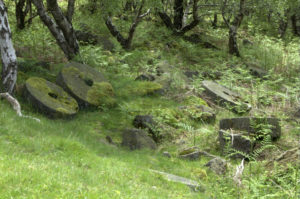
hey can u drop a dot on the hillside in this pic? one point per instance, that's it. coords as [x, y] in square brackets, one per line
[83, 156]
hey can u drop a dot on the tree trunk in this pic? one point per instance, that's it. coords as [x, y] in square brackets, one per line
[232, 44]
[8, 55]
[60, 28]
[21, 13]
[70, 11]
[295, 28]
[178, 14]
[215, 21]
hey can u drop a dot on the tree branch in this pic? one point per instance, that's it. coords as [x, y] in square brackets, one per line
[16, 105]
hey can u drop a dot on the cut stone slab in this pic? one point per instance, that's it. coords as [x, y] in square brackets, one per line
[50, 98]
[218, 165]
[145, 77]
[191, 74]
[137, 139]
[246, 124]
[297, 114]
[147, 122]
[214, 75]
[191, 153]
[167, 154]
[237, 142]
[223, 96]
[86, 85]
[194, 185]
[257, 71]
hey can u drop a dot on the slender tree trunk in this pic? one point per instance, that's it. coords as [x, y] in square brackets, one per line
[22, 9]
[70, 11]
[215, 21]
[60, 27]
[178, 14]
[233, 27]
[232, 44]
[295, 28]
[8, 55]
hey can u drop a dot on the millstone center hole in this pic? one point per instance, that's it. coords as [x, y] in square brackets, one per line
[89, 82]
[226, 93]
[53, 95]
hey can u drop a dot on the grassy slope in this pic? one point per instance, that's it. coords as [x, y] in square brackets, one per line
[70, 159]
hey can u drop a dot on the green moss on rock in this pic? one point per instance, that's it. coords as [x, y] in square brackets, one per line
[193, 100]
[145, 88]
[50, 97]
[101, 94]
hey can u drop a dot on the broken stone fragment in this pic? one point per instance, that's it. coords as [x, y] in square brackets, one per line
[233, 144]
[224, 97]
[252, 125]
[145, 77]
[191, 153]
[137, 139]
[49, 98]
[194, 185]
[217, 165]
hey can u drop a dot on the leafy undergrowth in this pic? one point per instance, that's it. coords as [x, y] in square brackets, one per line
[71, 159]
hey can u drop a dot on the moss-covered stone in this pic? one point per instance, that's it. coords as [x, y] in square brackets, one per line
[199, 113]
[50, 98]
[86, 85]
[194, 100]
[145, 88]
[101, 94]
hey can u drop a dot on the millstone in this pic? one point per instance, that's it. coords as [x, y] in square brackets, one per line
[248, 124]
[85, 84]
[223, 96]
[50, 98]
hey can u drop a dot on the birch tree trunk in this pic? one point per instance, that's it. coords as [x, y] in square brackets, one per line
[8, 54]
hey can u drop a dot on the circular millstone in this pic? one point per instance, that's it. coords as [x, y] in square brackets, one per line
[50, 98]
[86, 85]
[223, 96]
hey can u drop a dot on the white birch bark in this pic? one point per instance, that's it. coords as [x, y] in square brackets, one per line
[8, 54]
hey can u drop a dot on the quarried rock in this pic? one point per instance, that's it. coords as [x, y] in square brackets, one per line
[147, 122]
[145, 77]
[218, 165]
[233, 143]
[297, 114]
[86, 85]
[257, 71]
[50, 98]
[137, 139]
[192, 153]
[224, 97]
[252, 125]
[195, 186]
[191, 74]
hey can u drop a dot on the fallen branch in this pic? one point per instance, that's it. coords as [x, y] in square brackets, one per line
[238, 174]
[16, 105]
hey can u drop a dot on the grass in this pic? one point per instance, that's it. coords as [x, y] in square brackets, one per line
[71, 159]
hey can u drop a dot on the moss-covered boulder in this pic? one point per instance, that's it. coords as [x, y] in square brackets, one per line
[50, 98]
[86, 85]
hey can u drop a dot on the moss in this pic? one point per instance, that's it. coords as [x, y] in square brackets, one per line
[145, 88]
[101, 94]
[193, 100]
[43, 90]
[188, 151]
[73, 71]
[170, 116]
